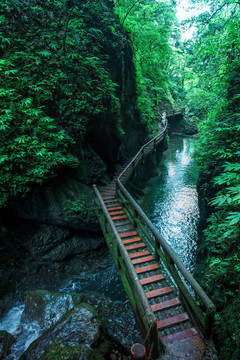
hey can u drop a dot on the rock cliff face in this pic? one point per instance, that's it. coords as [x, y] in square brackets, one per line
[72, 326]
[184, 125]
[56, 220]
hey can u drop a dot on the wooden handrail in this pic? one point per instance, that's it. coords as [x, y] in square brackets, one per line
[169, 253]
[143, 305]
[157, 138]
[162, 251]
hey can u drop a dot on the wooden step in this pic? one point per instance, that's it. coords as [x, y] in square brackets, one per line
[143, 259]
[172, 321]
[139, 254]
[152, 279]
[109, 205]
[136, 246]
[108, 192]
[143, 269]
[168, 304]
[119, 217]
[128, 234]
[122, 228]
[122, 223]
[179, 335]
[130, 241]
[110, 201]
[117, 212]
[115, 208]
[158, 292]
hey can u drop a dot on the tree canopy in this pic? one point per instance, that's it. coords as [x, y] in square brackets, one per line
[152, 28]
[54, 79]
[212, 81]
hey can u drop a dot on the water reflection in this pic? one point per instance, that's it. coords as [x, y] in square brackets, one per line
[172, 203]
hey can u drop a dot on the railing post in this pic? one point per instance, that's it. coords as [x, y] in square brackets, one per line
[153, 342]
[157, 257]
[143, 157]
[208, 324]
[154, 144]
[133, 170]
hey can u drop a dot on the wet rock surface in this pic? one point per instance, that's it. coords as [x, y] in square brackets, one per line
[193, 348]
[49, 243]
[6, 341]
[183, 125]
[53, 205]
[74, 336]
[47, 308]
[118, 320]
[21, 273]
[71, 324]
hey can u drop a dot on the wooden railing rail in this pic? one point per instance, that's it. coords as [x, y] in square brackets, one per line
[141, 306]
[165, 252]
[202, 314]
[174, 265]
[143, 152]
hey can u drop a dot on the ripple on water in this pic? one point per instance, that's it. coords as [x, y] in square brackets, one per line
[104, 279]
[24, 332]
[172, 201]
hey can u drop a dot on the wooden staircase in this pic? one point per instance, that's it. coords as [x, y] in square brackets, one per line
[152, 274]
[173, 322]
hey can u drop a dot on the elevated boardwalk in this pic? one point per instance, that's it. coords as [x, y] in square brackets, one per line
[154, 278]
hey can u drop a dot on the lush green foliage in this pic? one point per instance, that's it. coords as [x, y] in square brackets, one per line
[213, 86]
[54, 79]
[151, 27]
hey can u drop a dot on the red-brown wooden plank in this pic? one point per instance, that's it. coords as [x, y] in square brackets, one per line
[117, 212]
[119, 217]
[128, 234]
[136, 246]
[159, 292]
[147, 268]
[168, 304]
[142, 260]
[139, 254]
[109, 205]
[151, 279]
[115, 208]
[130, 241]
[172, 321]
[179, 335]
[110, 202]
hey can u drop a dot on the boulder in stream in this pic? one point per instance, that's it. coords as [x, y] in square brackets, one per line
[6, 341]
[47, 308]
[54, 311]
[77, 335]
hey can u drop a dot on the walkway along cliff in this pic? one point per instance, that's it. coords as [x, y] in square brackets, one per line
[154, 278]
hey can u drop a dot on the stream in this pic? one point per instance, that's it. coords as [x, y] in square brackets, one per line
[171, 199]
[172, 205]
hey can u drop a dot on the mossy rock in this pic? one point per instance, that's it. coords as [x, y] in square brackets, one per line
[6, 341]
[47, 308]
[76, 335]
